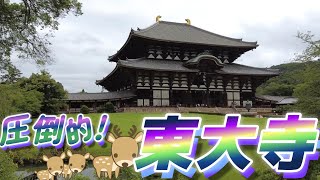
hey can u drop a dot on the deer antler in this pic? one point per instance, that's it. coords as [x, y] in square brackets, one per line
[132, 131]
[117, 131]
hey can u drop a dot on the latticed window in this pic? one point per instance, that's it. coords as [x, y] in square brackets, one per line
[233, 98]
[161, 98]
[143, 97]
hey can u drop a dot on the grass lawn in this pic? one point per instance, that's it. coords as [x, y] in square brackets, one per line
[126, 120]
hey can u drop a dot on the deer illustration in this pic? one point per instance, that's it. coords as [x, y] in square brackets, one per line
[44, 175]
[66, 173]
[124, 149]
[77, 162]
[55, 164]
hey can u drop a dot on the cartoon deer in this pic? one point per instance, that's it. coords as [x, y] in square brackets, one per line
[44, 175]
[123, 149]
[77, 163]
[55, 164]
[66, 173]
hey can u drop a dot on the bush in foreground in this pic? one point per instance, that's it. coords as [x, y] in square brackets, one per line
[7, 167]
[107, 108]
[84, 109]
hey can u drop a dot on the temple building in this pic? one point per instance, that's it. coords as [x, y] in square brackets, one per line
[178, 64]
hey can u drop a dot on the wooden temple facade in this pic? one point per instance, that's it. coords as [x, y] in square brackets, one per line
[177, 64]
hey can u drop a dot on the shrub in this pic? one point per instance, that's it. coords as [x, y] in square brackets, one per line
[108, 107]
[267, 174]
[84, 109]
[284, 109]
[7, 167]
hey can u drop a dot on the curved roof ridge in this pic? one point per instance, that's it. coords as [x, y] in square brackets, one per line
[235, 39]
[110, 74]
[147, 28]
[254, 67]
[195, 27]
[196, 60]
[123, 46]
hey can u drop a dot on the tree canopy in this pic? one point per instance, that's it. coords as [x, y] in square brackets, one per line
[52, 91]
[39, 93]
[284, 84]
[17, 100]
[26, 26]
[312, 52]
[25, 29]
[308, 92]
[8, 72]
[7, 167]
[300, 79]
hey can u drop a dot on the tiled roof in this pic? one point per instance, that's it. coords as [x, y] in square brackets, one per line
[288, 100]
[271, 98]
[177, 66]
[239, 69]
[159, 65]
[100, 96]
[280, 100]
[184, 33]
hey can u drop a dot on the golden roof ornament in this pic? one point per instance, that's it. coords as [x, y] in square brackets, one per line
[158, 18]
[188, 21]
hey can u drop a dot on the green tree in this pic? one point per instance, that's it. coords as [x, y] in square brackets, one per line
[277, 89]
[52, 91]
[7, 167]
[16, 100]
[312, 52]
[8, 72]
[30, 101]
[300, 78]
[27, 25]
[8, 100]
[309, 96]
[284, 84]
[308, 91]
[25, 28]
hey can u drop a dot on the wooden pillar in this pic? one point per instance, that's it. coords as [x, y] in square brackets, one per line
[151, 78]
[94, 106]
[215, 97]
[69, 105]
[189, 95]
[171, 98]
[253, 87]
[225, 97]
[241, 83]
[135, 87]
[133, 79]
[189, 80]
[208, 82]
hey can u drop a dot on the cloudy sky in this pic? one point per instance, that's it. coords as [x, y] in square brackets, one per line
[82, 44]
